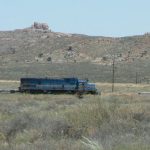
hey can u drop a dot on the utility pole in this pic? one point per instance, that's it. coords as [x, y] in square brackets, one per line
[113, 74]
[136, 81]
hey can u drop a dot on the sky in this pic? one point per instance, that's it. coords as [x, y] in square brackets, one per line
[113, 18]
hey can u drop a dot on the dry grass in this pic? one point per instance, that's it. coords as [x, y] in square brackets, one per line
[112, 121]
[123, 87]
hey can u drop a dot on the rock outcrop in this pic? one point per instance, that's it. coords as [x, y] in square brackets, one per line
[41, 26]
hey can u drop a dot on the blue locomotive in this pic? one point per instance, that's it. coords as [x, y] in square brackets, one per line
[53, 85]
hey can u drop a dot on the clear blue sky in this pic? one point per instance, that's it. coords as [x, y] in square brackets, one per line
[91, 17]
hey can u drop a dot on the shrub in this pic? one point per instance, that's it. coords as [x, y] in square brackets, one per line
[40, 55]
[13, 126]
[49, 59]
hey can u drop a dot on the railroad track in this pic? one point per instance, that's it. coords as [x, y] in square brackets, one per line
[9, 90]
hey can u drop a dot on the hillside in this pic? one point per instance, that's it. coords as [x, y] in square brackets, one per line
[41, 52]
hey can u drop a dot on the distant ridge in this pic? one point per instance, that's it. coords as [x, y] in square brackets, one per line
[39, 44]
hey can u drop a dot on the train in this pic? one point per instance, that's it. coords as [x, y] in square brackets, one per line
[56, 85]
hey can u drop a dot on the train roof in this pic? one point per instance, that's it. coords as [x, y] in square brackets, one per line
[82, 81]
[48, 78]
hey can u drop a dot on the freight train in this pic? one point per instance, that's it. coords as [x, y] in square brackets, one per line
[56, 85]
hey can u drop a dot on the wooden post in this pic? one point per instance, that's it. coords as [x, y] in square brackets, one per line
[113, 74]
[136, 80]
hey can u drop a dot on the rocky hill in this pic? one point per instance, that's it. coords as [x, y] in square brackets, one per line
[38, 45]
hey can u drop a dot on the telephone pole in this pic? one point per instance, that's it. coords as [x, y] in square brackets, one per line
[113, 74]
[136, 81]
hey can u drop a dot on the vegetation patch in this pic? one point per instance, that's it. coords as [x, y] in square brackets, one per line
[111, 121]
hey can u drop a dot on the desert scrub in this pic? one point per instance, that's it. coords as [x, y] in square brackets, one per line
[133, 146]
[113, 120]
[117, 121]
[90, 144]
[51, 144]
[90, 114]
[11, 127]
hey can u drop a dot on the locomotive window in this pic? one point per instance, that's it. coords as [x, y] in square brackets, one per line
[29, 85]
[70, 81]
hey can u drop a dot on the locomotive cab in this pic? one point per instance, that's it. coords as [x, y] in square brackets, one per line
[86, 87]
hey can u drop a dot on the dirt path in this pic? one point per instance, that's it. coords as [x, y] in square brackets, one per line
[9, 81]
